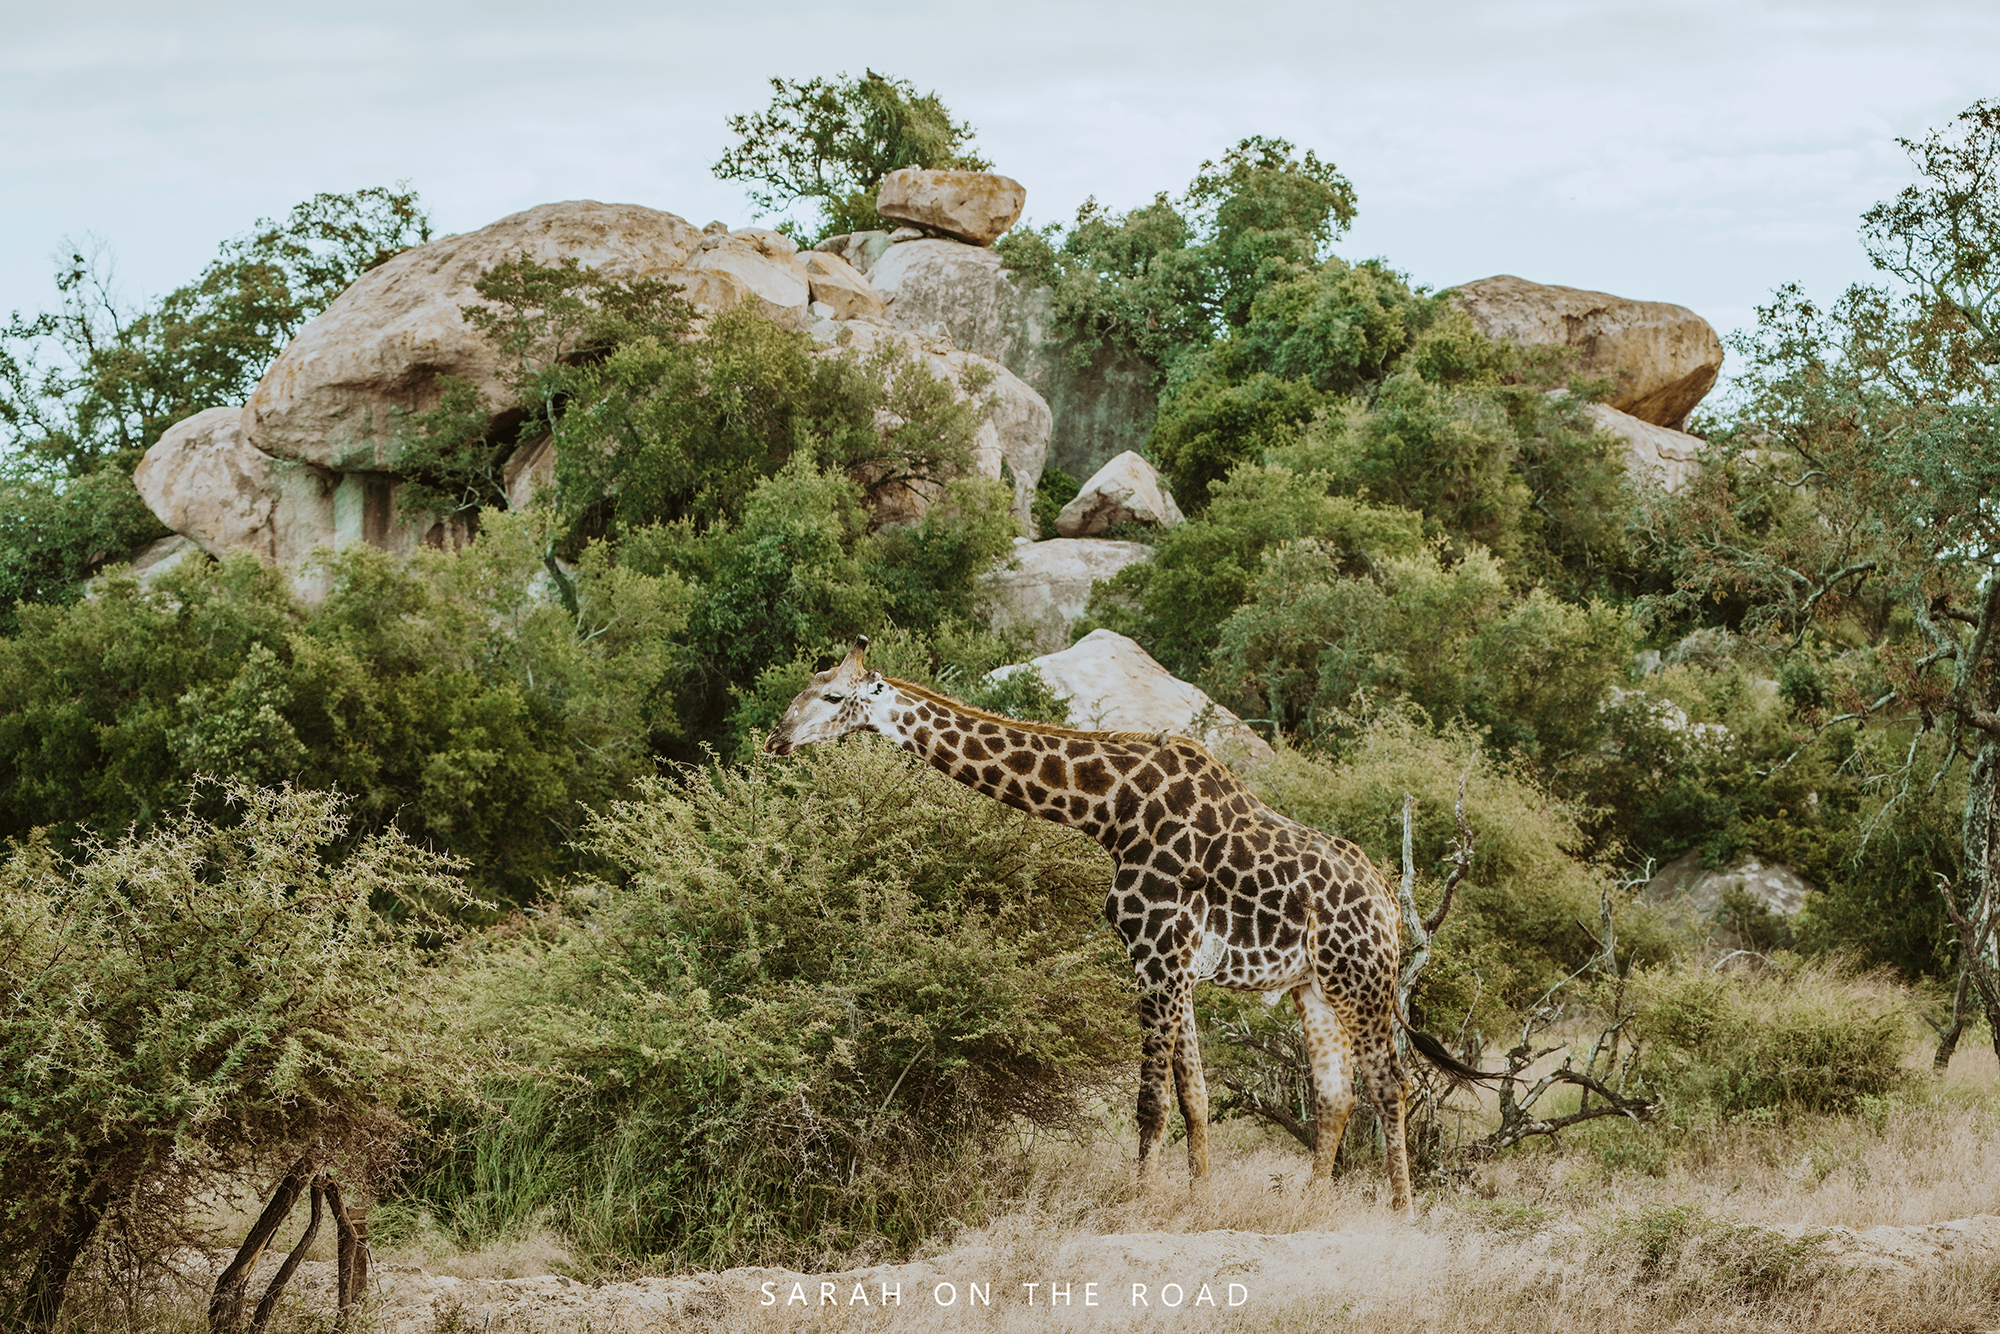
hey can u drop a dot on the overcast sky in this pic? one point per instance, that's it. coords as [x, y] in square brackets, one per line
[1683, 151]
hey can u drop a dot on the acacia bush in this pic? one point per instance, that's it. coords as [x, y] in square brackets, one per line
[1800, 1037]
[799, 1020]
[202, 1005]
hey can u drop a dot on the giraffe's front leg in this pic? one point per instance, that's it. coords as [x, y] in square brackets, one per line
[1191, 1085]
[1159, 1020]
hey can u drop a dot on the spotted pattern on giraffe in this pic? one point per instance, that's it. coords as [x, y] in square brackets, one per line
[1208, 884]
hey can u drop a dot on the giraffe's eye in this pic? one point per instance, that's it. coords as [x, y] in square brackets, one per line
[833, 697]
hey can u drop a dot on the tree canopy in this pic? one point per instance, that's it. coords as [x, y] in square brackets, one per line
[827, 144]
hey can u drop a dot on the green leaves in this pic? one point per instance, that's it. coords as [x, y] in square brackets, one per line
[192, 1003]
[830, 142]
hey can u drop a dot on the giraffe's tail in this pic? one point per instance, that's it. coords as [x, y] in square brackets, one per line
[1435, 1052]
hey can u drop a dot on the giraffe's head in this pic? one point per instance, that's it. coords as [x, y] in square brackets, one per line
[837, 701]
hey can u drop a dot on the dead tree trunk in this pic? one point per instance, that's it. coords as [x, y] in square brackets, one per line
[351, 1233]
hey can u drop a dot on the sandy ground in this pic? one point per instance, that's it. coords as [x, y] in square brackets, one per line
[1221, 1279]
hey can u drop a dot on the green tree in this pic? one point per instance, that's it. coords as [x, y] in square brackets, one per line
[453, 694]
[1169, 276]
[1858, 498]
[829, 143]
[205, 1003]
[87, 387]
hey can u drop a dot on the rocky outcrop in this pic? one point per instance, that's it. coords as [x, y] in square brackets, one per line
[1014, 430]
[974, 206]
[1653, 454]
[1113, 685]
[1664, 357]
[338, 395]
[860, 249]
[1045, 586]
[753, 264]
[844, 292]
[205, 481]
[1125, 490]
[962, 292]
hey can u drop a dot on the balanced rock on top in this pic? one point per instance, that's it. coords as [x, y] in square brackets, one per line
[975, 206]
[1664, 357]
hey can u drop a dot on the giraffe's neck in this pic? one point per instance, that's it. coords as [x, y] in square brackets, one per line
[1069, 780]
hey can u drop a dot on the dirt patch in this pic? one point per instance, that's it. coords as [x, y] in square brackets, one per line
[1220, 1279]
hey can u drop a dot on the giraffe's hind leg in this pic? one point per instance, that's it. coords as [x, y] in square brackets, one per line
[1331, 1050]
[1192, 1087]
[1159, 1021]
[1382, 1069]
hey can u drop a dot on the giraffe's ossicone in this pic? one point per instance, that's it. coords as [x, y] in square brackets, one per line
[1210, 885]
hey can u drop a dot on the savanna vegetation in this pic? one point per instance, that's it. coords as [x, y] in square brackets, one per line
[465, 879]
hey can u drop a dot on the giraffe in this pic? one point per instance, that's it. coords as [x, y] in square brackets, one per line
[1209, 885]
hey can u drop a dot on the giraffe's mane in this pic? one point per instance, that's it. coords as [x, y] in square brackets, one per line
[1041, 729]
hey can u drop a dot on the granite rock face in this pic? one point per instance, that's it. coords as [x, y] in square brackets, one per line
[844, 291]
[1665, 357]
[859, 249]
[1685, 879]
[338, 395]
[974, 206]
[1015, 429]
[1125, 490]
[1653, 454]
[1101, 408]
[1113, 685]
[1045, 586]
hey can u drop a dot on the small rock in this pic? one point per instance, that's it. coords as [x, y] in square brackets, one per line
[157, 558]
[1125, 490]
[1045, 586]
[845, 293]
[860, 249]
[975, 206]
[1779, 888]
[766, 241]
[1113, 685]
[902, 234]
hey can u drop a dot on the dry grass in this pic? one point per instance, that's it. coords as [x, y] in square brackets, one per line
[1618, 1227]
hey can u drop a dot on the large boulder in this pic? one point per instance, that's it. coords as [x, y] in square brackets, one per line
[1014, 430]
[210, 485]
[1045, 586]
[1125, 490]
[1664, 357]
[1101, 408]
[339, 394]
[1113, 685]
[206, 482]
[975, 206]
[1653, 454]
